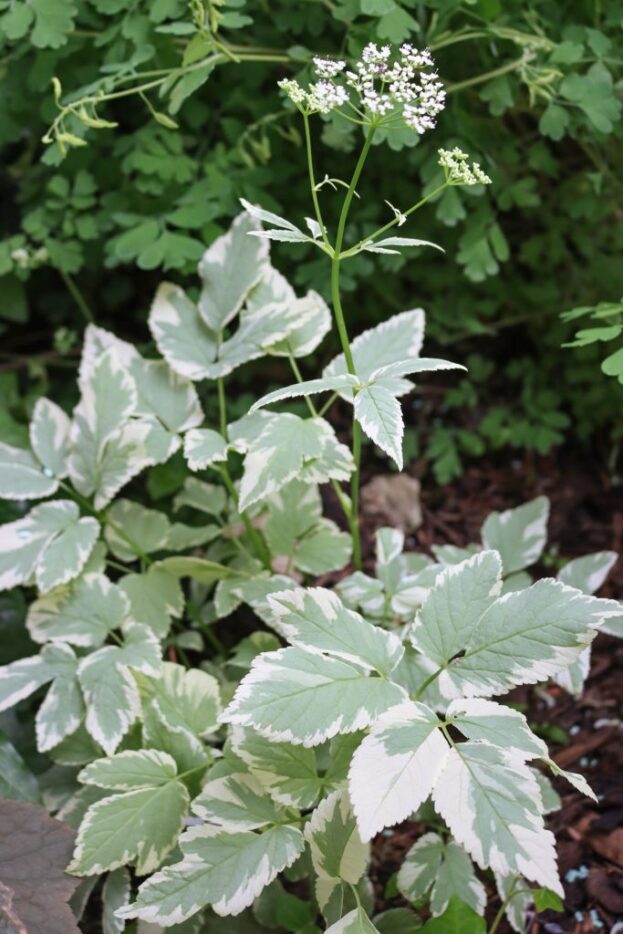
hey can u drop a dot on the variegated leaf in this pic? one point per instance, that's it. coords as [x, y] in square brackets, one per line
[311, 387]
[115, 894]
[23, 545]
[387, 245]
[295, 696]
[355, 922]
[394, 770]
[516, 904]
[22, 476]
[139, 826]
[519, 535]
[266, 217]
[110, 689]
[497, 724]
[65, 555]
[443, 869]
[229, 269]
[82, 613]
[393, 340]
[491, 802]
[313, 322]
[338, 853]
[49, 437]
[316, 619]
[287, 772]
[528, 636]
[163, 393]
[290, 447]
[62, 709]
[225, 870]
[187, 700]
[589, 572]
[455, 606]
[295, 529]
[203, 447]
[378, 412]
[182, 337]
[237, 802]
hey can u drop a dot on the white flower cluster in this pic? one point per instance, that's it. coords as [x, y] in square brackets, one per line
[394, 93]
[458, 170]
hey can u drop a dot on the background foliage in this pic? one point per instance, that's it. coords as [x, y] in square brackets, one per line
[534, 93]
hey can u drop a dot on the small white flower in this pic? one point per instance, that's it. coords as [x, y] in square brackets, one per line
[324, 96]
[327, 68]
[294, 90]
[458, 170]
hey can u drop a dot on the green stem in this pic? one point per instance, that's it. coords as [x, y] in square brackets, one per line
[77, 295]
[488, 75]
[222, 407]
[432, 678]
[313, 411]
[259, 545]
[312, 179]
[381, 230]
[345, 342]
[500, 915]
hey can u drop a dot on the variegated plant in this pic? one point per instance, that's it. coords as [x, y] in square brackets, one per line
[279, 757]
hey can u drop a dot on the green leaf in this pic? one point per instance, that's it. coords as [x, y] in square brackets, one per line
[290, 447]
[554, 121]
[128, 522]
[164, 393]
[225, 870]
[443, 871]
[546, 900]
[338, 853]
[199, 569]
[140, 825]
[16, 780]
[491, 802]
[613, 364]
[54, 20]
[294, 696]
[519, 535]
[230, 268]
[316, 619]
[155, 597]
[458, 918]
[394, 769]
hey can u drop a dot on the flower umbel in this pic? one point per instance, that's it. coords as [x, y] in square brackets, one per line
[458, 170]
[378, 91]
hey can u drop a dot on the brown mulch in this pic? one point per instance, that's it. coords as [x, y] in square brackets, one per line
[584, 734]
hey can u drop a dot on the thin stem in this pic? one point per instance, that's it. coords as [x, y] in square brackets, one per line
[312, 179]
[500, 915]
[222, 407]
[343, 334]
[313, 411]
[259, 545]
[381, 230]
[77, 295]
[488, 75]
[432, 678]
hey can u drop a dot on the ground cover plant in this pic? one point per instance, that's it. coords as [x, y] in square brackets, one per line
[166, 116]
[210, 774]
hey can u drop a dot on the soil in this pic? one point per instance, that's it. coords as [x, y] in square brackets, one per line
[584, 734]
